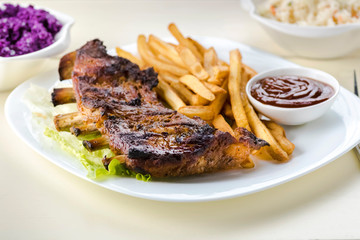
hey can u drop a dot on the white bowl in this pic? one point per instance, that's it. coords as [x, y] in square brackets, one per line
[309, 41]
[15, 70]
[294, 116]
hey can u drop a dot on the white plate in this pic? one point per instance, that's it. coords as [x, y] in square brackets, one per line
[333, 135]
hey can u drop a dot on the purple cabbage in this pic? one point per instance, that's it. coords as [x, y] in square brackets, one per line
[25, 30]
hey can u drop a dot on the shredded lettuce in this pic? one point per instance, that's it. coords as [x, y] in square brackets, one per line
[42, 124]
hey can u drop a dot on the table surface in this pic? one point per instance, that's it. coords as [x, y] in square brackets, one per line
[39, 200]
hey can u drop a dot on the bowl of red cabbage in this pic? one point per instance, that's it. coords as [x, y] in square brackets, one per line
[29, 36]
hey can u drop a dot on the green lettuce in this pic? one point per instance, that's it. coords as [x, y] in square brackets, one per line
[92, 160]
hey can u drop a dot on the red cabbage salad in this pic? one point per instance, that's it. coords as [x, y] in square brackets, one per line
[25, 29]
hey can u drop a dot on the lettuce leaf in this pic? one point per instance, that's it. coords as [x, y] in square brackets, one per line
[42, 125]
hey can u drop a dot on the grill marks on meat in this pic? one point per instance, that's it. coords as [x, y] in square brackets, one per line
[104, 84]
[119, 97]
[164, 137]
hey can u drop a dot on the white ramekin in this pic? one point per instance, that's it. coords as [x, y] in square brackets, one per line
[294, 116]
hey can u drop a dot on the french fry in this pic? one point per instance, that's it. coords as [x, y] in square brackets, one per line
[218, 73]
[204, 112]
[220, 123]
[192, 63]
[210, 60]
[168, 77]
[163, 59]
[279, 134]
[124, 54]
[166, 50]
[261, 131]
[185, 94]
[214, 88]
[199, 47]
[197, 86]
[188, 96]
[169, 95]
[185, 42]
[216, 68]
[198, 100]
[220, 99]
[243, 82]
[215, 76]
[234, 90]
[223, 70]
[263, 154]
[212, 66]
[149, 58]
[228, 111]
[247, 163]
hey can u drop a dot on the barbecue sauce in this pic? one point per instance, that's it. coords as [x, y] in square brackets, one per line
[291, 91]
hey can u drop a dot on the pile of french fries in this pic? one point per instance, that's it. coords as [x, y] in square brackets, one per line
[193, 81]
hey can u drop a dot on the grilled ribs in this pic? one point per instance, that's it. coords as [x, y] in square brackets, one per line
[119, 98]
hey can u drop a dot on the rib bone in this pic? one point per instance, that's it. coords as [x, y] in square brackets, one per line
[96, 144]
[106, 161]
[63, 96]
[66, 65]
[83, 130]
[63, 122]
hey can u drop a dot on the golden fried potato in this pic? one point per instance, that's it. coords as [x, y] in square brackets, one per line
[188, 96]
[192, 63]
[214, 88]
[204, 112]
[166, 50]
[279, 134]
[234, 90]
[220, 99]
[261, 131]
[168, 77]
[149, 58]
[184, 42]
[169, 95]
[220, 123]
[228, 111]
[124, 54]
[197, 86]
[199, 47]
